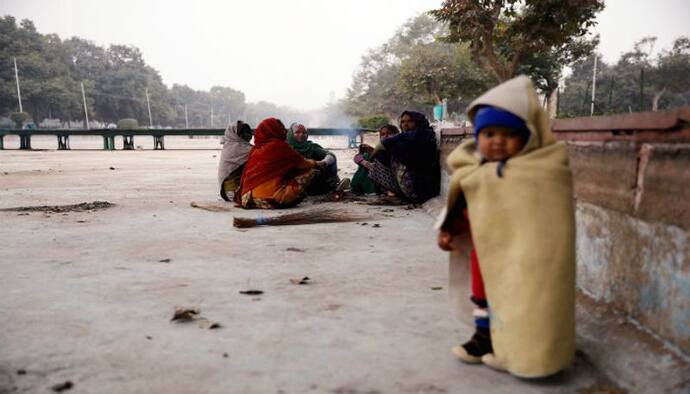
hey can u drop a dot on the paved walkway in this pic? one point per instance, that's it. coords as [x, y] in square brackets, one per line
[87, 297]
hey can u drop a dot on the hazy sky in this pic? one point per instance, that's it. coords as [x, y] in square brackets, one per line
[290, 52]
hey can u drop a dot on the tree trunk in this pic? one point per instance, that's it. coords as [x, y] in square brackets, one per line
[552, 103]
[657, 97]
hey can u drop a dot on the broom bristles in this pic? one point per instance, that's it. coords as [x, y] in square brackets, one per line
[296, 218]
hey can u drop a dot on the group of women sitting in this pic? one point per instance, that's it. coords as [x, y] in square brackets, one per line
[404, 165]
[283, 166]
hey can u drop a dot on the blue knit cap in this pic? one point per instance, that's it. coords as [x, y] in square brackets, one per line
[491, 116]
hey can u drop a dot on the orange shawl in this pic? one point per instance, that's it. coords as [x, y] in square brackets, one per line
[270, 158]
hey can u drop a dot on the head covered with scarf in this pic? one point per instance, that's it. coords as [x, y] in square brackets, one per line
[490, 116]
[419, 119]
[306, 148]
[416, 147]
[271, 157]
[235, 149]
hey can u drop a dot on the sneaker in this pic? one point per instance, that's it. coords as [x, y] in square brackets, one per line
[473, 350]
[343, 185]
[490, 361]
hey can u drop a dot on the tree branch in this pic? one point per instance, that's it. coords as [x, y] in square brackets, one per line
[657, 97]
[497, 69]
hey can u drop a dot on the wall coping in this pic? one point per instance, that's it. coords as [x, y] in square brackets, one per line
[661, 126]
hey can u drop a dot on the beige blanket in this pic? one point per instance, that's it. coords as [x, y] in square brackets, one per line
[524, 233]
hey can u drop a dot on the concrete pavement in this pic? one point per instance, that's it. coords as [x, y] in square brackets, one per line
[86, 299]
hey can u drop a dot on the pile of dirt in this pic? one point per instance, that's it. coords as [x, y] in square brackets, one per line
[81, 207]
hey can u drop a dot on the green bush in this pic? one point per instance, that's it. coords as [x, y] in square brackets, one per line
[127, 124]
[19, 118]
[373, 122]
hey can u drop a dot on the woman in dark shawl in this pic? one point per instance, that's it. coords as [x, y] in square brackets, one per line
[408, 166]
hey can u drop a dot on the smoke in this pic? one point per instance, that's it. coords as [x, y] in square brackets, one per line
[330, 116]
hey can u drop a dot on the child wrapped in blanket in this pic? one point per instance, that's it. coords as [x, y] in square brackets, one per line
[513, 184]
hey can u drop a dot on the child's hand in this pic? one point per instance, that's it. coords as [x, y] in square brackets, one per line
[445, 240]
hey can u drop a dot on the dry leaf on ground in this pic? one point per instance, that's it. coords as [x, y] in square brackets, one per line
[304, 281]
[184, 315]
[60, 387]
[209, 325]
[251, 292]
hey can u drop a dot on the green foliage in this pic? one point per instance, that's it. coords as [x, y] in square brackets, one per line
[373, 122]
[227, 103]
[19, 118]
[115, 80]
[508, 37]
[121, 88]
[46, 84]
[637, 82]
[127, 124]
[670, 78]
[438, 70]
[412, 70]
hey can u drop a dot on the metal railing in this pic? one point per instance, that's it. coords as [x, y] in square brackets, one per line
[63, 135]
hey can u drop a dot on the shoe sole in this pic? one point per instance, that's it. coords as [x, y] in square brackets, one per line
[465, 357]
[491, 363]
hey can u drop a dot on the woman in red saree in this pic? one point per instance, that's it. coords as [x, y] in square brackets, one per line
[275, 176]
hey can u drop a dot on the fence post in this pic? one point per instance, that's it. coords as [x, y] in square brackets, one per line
[158, 142]
[128, 142]
[108, 142]
[63, 142]
[25, 142]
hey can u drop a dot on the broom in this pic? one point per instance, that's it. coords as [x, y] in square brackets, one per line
[210, 207]
[303, 217]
